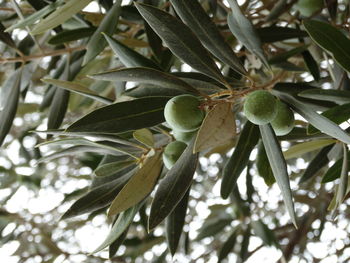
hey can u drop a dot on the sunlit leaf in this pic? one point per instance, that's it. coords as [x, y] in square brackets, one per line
[139, 186]
[218, 127]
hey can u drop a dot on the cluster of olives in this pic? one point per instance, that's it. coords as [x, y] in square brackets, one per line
[261, 107]
[184, 116]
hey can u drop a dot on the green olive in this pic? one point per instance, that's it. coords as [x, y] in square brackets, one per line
[308, 7]
[260, 107]
[182, 113]
[284, 121]
[172, 153]
[183, 136]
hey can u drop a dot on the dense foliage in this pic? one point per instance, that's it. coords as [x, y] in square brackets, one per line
[246, 105]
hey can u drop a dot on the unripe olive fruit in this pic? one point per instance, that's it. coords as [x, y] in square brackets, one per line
[182, 113]
[308, 7]
[260, 107]
[284, 121]
[172, 152]
[183, 136]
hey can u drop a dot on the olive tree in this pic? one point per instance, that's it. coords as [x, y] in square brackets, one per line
[199, 131]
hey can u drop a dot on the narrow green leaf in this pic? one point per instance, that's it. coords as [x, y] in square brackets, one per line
[334, 171]
[277, 33]
[113, 248]
[243, 252]
[173, 187]
[98, 197]
[144, 136]
[146, 76]
[338, 96]
[244, 31]
[228, 245]
[112, 168]
[286, 55]
[60, 15]
[338, 115]
[129, 57]
[174, 224]
[305, 147]
[122, 223]
[344, 174]
[77, 88]
[108, 25]
[6, 37]
[317, 120]
[192, 13]
[331, 39]
[139, 186]
[180, 40]
[317, 163]
[9, 109]
[31, 19]
[278, 9]
[58, 108]
[279, 167]
[123, 116]
[311, 64]
[71, 35]
[263, 166]
[239, 159]
[262, 231]
[213, 227]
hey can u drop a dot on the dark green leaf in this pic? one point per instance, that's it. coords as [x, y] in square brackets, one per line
[331, 39]
[286, 55]
[129, 57]
[278, 166]
[98, 197]
[317, 120]
[147, 76]
[113, 248]
[192, 13]
[244, 31]
[263, 166]
[338, 96]
[311, 64]
[334, 171]
[71, 35]
[262, 231]
[213, 227]
[9, 109]
[180, 40]
[277, 33]
[239, 159]
[123, 116]
[6, 37]
[58, 108]
[338, 115]
[173, 187]
[108, 25]
[243, 253]
[228, 245]
[122, 223]
[112, 168]
[317, 163]
[174, 223]
[343, 183]
[78, 88]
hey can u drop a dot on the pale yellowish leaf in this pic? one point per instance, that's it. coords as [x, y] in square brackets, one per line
[144, 136]
[139, 186]
[217, 128]
[305, 147]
